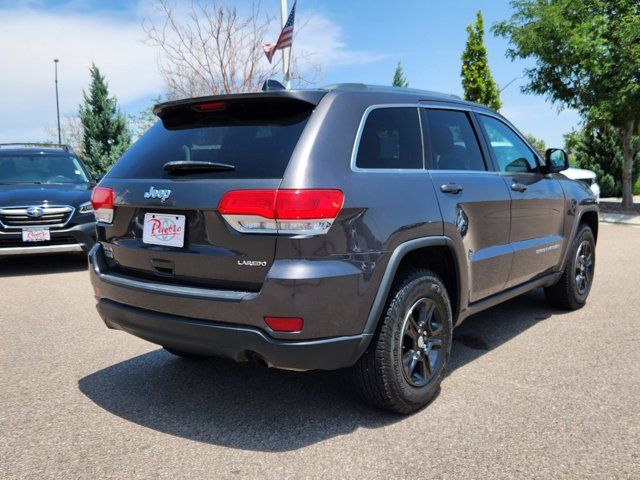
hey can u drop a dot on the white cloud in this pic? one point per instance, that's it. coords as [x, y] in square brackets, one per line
[323, 41]
[31, 37]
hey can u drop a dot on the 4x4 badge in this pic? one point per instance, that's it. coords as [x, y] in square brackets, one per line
[157, 193]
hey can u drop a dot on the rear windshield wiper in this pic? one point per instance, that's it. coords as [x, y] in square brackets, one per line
[190, 166]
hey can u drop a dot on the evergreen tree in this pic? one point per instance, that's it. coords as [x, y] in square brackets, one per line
[399, 79]
[477, 82]
[106, 133]
[597, 148]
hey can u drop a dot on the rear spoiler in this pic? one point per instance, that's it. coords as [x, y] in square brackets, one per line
[311, 97]
[281, 107]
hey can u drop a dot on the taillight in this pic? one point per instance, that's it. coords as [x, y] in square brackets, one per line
[102, 202]
[302, 212]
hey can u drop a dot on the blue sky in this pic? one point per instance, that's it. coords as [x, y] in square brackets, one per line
[357, 41]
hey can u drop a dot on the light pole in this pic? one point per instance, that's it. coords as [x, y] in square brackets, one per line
[510, 82]
[55, 61]
[286, 52]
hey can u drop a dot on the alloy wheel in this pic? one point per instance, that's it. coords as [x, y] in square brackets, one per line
[584, 267]
[421, 352]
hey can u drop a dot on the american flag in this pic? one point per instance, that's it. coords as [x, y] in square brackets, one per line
[286, 36]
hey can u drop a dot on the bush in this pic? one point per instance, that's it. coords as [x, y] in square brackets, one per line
[636, 188]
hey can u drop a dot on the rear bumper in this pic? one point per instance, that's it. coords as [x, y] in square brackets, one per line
[332, 296]
[236, 342]
[79, 238]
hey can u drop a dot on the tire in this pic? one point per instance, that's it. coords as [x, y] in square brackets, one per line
[570, 293]
[187, 355]
[383, 373]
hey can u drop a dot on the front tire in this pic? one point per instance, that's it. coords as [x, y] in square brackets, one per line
[405, 363]
[572, 290]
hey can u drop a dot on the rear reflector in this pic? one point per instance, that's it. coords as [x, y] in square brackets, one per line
[102, 202]
[303, 212]
[284, 324]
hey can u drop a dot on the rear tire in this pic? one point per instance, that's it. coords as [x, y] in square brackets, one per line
[407, 358]
[572, 290]
[187, 355]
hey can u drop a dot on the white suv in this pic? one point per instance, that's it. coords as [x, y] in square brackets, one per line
[587, 177]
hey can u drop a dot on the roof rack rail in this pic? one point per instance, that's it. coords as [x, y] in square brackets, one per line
[61, 146]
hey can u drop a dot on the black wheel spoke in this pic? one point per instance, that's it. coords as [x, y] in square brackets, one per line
[421, 339]
[406, 358]
[413, 362]
[426, 366]
[412, 329]
[426, 316]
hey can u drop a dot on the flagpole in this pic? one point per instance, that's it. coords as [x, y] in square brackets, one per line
[286, 52]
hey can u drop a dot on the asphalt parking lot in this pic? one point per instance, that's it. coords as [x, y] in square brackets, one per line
[532, 392]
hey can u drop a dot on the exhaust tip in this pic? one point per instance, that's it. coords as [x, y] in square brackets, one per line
[258, 360]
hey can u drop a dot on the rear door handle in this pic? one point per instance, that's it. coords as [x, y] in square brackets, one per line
[450, 188]
[518, 187]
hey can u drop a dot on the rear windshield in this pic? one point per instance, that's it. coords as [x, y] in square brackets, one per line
[41, 169]
[257, 145]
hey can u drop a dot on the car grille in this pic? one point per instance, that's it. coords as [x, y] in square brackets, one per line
[17, 242]
[50, 216]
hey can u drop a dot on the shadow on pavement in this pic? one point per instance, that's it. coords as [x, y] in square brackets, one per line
[20, 265]
[251, 408]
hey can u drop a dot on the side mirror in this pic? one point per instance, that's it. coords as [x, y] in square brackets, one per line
[98, 178]
[556, 160]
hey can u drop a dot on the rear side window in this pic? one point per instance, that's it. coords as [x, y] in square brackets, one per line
[452, 141]
[391, 139]
[256, 144]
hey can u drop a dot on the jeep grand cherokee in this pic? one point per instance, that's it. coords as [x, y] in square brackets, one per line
[351, 226]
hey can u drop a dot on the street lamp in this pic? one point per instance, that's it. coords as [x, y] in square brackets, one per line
[510, 82]
[55, 61]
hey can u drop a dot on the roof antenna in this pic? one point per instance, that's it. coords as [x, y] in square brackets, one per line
[272, 86]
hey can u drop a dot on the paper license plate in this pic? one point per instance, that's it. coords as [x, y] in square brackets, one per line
[35, 235]
[163, 229]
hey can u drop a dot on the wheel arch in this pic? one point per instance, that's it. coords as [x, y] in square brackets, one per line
[590, 218]
[436, 253]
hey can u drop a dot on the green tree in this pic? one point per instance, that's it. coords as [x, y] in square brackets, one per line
[537, 143]
[477, 81]
[142, 121]
[587, 57]
[399, 79]
[106, 134]
[598, 149]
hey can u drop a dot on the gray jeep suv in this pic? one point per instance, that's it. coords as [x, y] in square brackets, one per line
[351, 226]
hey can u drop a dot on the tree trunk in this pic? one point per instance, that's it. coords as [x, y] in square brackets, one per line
[627, 165]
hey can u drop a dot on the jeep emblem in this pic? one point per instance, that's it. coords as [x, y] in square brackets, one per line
[157, 193]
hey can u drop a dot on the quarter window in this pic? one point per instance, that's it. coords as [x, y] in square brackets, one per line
[511, 152]
[452, 141]
[391, 139]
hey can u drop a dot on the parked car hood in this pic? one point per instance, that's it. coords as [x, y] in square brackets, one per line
[578, 173]
[26, 194]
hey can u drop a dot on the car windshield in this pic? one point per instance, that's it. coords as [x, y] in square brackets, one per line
[41, 169]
